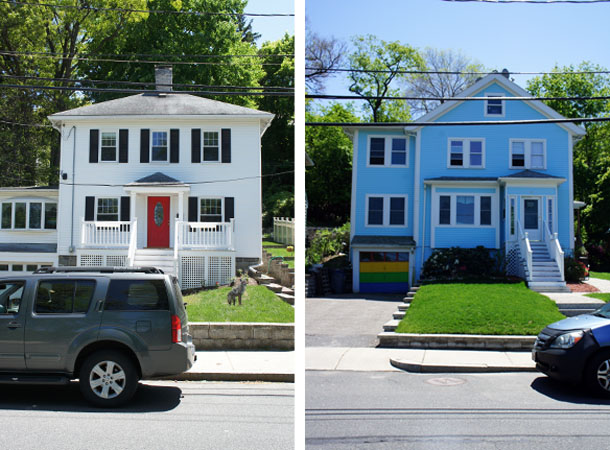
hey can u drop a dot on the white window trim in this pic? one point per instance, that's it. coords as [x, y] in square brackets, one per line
[453, 215]
[494, 94]
[116, 153]
[386, 210]
[466, 153]
[150, 149]
[551, 199]
[27, 202]
[387, 155]
[528, 154]
[219, 147]
[118, 199]
[222, 207]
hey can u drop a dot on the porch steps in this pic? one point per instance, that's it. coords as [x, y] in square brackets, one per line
[274, 287]
[160, 258]
[545, 276]
[402, 309]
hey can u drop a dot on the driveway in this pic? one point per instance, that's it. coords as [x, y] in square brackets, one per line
[347, 321]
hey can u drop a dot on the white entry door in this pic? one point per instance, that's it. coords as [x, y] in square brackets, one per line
[530, 214]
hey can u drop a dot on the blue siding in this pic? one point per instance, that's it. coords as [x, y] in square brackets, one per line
[446, 237]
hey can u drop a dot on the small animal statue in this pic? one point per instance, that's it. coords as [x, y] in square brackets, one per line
[238, 289]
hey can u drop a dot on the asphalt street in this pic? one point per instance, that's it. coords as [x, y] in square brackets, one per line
[162, 415]
[389, 410]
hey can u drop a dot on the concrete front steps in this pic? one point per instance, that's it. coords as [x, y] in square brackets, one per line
[156, 257]
[402, 309]
[546, 276]
[284, 293]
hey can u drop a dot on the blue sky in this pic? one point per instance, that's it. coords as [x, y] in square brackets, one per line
[271, 28]
[519, 37]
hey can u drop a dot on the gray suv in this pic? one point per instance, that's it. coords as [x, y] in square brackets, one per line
[108, 327]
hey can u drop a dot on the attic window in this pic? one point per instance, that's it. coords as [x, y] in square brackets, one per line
[494, 108]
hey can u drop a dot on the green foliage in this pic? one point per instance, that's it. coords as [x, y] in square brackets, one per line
[372, 53]
[602, 275]
[279, 204]
[604, 297]
[574, 270]
[495, 309]
[328, 182]
[327, 243]
[457, 263]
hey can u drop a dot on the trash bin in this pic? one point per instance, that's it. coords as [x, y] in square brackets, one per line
[337, 281]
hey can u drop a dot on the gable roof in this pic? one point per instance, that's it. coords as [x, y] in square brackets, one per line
[511, 87]
[157, 177]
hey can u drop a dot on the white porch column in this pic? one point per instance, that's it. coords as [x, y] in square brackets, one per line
[132, 206]
[181, 206]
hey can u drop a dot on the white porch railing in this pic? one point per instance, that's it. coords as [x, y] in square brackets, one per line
[106, 234]
[133, 243]
[554, 248]
[204, 235]
[526, 251]
[283, 230]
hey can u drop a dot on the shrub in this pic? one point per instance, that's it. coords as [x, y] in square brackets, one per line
[575, 271]
[278, 204]
[461, 263]
[328, 243]
[599, 257]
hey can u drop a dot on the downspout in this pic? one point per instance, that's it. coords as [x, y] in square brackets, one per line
[423, 231]
[71, 249]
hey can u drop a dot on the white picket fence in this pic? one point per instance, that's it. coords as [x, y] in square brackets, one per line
[283, 230]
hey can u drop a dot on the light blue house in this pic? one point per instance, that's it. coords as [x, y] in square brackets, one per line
[504, 187]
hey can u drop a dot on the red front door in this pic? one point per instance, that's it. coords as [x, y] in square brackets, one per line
[158, 222]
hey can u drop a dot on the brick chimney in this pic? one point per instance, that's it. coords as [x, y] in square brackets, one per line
[163, 78]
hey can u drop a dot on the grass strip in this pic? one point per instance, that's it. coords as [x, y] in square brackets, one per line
[604, 297]
[259, 304]
[495, 309]
[602, 275]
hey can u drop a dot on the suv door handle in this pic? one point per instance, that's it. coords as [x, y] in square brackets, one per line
[14, 325]
[99, 306]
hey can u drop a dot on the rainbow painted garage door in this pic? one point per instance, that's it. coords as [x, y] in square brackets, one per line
[384, 271]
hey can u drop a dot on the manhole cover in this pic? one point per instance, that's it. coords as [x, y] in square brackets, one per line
[445, 381]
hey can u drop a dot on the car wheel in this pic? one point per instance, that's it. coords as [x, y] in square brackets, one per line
[597, 374]
[108, 378]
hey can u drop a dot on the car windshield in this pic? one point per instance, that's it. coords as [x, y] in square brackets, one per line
[604, 311]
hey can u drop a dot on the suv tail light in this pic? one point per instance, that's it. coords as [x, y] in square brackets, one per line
[176, 329]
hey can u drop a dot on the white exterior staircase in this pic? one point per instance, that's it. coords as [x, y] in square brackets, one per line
[156, 257]
[546, 275]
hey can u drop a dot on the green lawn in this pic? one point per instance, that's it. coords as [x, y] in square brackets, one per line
[604, 297]
[279, 251]
[259, 304]
[602, 275]
[495, 309]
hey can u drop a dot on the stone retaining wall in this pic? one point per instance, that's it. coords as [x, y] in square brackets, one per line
[455, 341]
[277, 269]
[242, 336]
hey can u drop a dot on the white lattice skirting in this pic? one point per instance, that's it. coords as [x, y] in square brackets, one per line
[198, 271]
[514, 265]
[93, 260]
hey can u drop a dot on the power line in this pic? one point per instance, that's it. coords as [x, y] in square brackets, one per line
[539, 2]
[63, 55]
[38, 125]
[141, 83]
[446, 99]
[449, 72]
[132, 61]
[149, 11]
[140, 91]
[442, 124]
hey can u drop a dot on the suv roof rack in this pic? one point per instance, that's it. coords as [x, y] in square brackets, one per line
[100, 269]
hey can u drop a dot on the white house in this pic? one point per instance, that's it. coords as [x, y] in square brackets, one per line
[168, 180]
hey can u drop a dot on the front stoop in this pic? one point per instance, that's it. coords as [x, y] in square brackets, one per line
[545, 276]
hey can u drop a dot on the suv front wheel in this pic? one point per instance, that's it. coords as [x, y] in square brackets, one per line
[108, 378]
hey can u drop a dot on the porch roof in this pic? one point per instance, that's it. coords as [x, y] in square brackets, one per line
[469, 179]
[383, 241]
[157, 177]
[530, 174]
[158, 182]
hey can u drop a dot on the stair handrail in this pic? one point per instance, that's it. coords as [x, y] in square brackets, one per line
[526, 250]
[133, 240]
[554, 247]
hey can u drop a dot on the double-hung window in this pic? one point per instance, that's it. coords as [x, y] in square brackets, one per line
[210, 210]
[388, 151]
[211, 147]
[386, 210]
[494, 108]
[465, 210]
[108, 209]
[159, 146]
[29, 214]
[527, 154]
[466, 153]
[108, 146]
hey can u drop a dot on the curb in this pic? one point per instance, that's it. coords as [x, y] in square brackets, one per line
[220, 376]
[410, 366]
[390, 339]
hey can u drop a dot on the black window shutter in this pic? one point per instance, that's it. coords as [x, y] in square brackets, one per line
[144, 146]
[196, 145]
[229, 208]
[89, 209]
[193, 210]
[94, 137]
[125, 216]
[123, 146]
[174, 146]
[226, 145]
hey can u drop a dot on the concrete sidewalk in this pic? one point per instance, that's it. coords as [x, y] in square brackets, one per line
[415, 360]
[241, 366]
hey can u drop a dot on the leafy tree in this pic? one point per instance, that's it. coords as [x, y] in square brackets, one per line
[328, 182]
[440, 84]
[387, 60]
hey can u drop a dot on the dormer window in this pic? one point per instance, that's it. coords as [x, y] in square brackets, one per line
[494, 108]
[159, 146]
